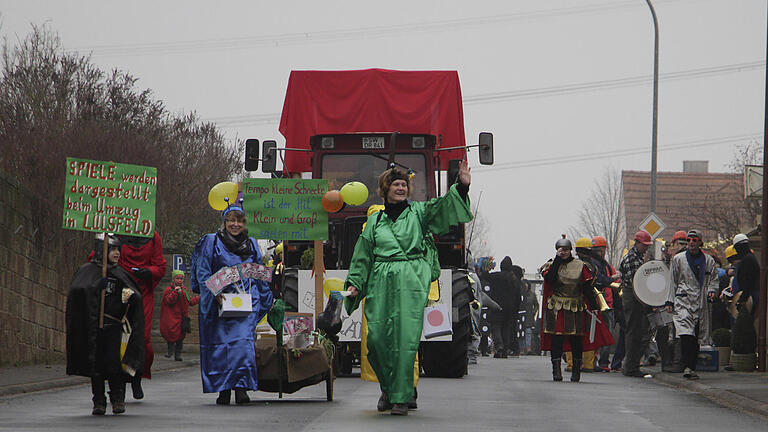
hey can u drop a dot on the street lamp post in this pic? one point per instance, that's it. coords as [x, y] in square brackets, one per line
[654, 130]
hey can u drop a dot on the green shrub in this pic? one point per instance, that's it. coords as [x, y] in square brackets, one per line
[721, 337]
[307, 259]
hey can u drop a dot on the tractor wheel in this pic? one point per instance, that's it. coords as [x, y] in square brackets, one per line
[449, 359]
[291, 289]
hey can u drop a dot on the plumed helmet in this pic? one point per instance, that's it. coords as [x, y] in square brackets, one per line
[599, 241]
[584, 242]
[113, 241]
[98, 244]
[730, 251]
[563, 243]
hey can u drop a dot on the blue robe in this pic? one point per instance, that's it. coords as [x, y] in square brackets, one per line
[227, 350]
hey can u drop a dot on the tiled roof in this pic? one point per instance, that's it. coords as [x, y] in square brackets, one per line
[678, 195]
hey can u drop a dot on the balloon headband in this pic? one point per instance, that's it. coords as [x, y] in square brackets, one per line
[232, 207]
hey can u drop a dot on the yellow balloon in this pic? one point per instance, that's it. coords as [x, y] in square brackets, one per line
[219, 192]
[332, 284]
[354, 193]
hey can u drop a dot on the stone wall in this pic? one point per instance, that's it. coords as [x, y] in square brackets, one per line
[31, 299]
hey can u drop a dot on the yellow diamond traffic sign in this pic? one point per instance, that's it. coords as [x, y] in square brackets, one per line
[652, 225]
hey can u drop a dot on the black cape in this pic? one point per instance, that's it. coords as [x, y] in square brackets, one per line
[92, 351]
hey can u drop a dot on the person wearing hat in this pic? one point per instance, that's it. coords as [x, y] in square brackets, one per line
[174, 312]
[392, 270]
[748, 273]
[603, 284]
[97, 309]
[637, 333]
[568, 310]
[694, 281]
[227, 350]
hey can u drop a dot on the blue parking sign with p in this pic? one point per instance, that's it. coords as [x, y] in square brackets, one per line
[180, 263]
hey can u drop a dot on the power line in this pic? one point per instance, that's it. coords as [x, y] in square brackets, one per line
[607, 154]
[276, 41]
[494, 97]
[611, 84]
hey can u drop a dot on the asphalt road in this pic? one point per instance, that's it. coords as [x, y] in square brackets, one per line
[499, 394]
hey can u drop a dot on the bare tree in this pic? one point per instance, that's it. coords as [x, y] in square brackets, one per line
[477, 232]
[55, 105]
[724, 210]
[602, 214]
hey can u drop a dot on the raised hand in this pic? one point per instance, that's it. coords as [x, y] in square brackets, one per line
[464, 176]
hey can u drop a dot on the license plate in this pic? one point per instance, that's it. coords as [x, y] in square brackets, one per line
[373, 142]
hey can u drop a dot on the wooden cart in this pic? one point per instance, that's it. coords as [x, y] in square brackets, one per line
[285, 370]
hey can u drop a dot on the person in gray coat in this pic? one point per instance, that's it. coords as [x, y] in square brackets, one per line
[694, 281]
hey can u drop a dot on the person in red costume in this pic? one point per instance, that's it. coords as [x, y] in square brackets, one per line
[142, 258]
[175, 307]
[569, 310]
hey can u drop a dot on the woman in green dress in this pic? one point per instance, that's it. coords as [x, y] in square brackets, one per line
[390, 269]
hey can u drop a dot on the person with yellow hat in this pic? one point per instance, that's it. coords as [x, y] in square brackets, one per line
[604, 284]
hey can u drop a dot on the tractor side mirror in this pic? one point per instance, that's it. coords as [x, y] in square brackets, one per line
[486, 148]
[251, 154]
[453, 171]
[269, 163]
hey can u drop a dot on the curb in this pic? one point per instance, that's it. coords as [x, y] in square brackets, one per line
[721, 397]
[73, 381]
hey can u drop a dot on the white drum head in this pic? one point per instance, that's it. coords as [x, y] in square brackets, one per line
[651, 283]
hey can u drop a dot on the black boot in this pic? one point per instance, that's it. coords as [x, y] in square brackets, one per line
[117, 395]
[177, 352]
[170, 350]
[241, 396]
[99, 400]
[138, 393]
[383, 403]
[224, 397]
[557, 375]
[576, 370]
[399, 409]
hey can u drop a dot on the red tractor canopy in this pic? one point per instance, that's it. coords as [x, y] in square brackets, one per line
[371, 100]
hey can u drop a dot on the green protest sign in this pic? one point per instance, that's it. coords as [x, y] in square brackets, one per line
[285, 209]
[110, 197]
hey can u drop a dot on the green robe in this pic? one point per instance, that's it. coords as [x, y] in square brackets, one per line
[394, 277]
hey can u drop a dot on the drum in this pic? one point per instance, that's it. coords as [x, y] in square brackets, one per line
[652, 283]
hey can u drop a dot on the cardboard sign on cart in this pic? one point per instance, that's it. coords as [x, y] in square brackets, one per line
[235, 305]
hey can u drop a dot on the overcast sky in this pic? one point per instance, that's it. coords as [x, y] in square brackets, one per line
[554, 80]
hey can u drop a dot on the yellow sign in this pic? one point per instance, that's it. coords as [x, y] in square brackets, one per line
[652, 225]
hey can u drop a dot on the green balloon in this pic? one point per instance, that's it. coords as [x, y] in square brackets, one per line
[354, 193]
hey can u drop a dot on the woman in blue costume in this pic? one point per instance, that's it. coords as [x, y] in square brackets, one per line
[227, 350]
